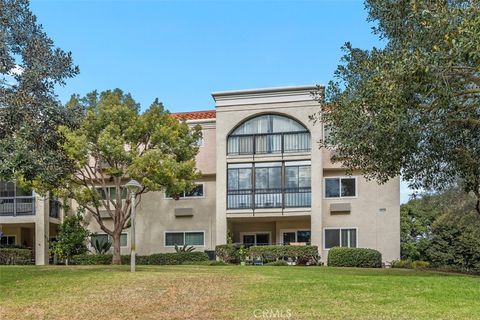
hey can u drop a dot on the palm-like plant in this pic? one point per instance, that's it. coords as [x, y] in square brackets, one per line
[184, 248]
[101, 247]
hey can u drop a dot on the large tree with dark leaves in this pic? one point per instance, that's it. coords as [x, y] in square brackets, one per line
[30, 68]
[413, 107]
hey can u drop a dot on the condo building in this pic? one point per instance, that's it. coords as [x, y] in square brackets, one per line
[264, 181]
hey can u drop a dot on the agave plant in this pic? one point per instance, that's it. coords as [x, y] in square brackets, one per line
[101, 247]
[184, 248]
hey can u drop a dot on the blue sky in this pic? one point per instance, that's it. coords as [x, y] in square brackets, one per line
[182, 51]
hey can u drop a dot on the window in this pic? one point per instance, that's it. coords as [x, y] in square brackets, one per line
[268, 134]
[189, 238]
[290, 236]
[102, 238]
[269, 185]
[340, 187]
[196, 192]
[112, 192]
[255, 239]
[7, 240]
[11, 190]
[340, 237]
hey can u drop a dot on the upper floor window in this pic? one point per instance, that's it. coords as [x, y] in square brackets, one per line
[340, 187]
[111, 192]
[269, 185]
[268, 134]
[197, 192]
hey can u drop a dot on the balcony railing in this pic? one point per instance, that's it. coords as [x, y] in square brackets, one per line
[268, 143]
[55, 207]
[269, 198]
[17, 206]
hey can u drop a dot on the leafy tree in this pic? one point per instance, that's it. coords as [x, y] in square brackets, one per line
[418, 216]
[456, 241]
[30, 68]
[114, 143]
[413, 107]
[72, 238]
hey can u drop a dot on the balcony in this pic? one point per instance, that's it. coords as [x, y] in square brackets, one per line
[269, 198]
[268, 143]
[17, 206]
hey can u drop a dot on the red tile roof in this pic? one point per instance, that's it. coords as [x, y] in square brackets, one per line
[194, 115]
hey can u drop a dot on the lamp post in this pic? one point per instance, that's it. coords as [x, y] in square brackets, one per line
[133, 186]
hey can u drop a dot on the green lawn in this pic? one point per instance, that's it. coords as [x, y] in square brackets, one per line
[234, 292]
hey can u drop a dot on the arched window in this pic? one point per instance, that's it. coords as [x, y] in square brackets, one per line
[268, 133]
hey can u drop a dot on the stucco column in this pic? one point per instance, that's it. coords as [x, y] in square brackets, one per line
[316, 219]
[42, 230]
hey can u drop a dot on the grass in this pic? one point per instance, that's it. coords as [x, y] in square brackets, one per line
[233, 292]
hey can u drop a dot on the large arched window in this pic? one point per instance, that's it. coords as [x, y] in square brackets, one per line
[268, 133]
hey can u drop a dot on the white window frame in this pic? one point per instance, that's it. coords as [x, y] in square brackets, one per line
[340, 236]
[340, 186]
[282, 231]
[183, 231]
[254, 233]
[186, 198]
[11, 235]
[109, 238]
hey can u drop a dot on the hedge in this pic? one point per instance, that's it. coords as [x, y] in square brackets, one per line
[301, 254]
[176, 258]
[227, 253]
[354, 257]
[15, 256]
[154, 259]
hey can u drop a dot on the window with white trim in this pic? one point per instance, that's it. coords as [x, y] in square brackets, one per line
[111, 192]
[338, 187]
[340, 237]
[197, 192]
[180, 238]
[102, 238]
[7, 240]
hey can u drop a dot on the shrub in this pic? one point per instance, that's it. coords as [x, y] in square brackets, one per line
[456, 242]
[354, 257]
[205, 263]
[92, 259]
[278, 263]
[402, 264]
[176, 258]
[409, 264]
[227, 253]
[154, 259]
[301, 254]
[419, 264]
[15, 256]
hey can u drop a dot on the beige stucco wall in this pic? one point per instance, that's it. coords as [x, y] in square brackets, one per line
[375, 212]
[234, 108]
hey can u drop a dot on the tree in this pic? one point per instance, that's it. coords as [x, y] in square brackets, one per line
[418, 216]
[114, 143]
[72, 238]
[30, 68]
[413, 107]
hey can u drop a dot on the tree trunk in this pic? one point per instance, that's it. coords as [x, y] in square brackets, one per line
[116, 259]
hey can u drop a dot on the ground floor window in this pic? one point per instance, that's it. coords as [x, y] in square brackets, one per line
[255, 239]
[7, 240]
[340, 237]
[102, 238]
[180, 238]
[289, 236]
